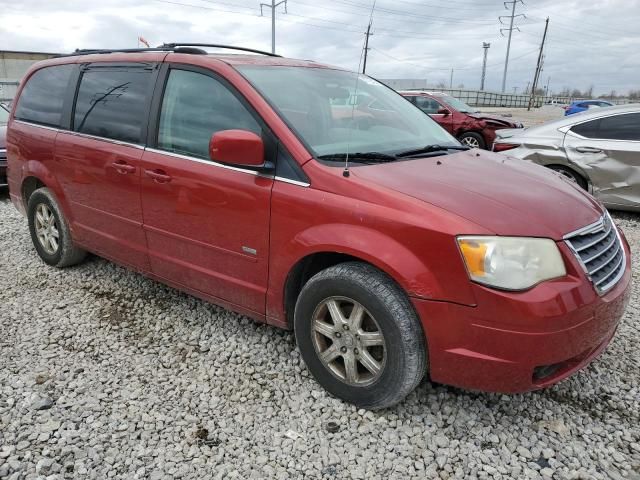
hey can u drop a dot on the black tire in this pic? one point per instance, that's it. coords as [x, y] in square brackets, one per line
[405, 358]
[570, 174]
[468, 137]
[66, 253]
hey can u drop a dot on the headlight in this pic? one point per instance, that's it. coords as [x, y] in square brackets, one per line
[511, 263]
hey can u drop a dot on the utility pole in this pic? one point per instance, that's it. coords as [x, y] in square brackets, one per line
[366, 46]
[526, 90]
[273, 7]
[539, 65]
[512, 17]
[451, 80]
[485, 46]
[515, 90]
[546, 89]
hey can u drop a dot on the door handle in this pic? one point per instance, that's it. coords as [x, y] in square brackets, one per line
[588, 150]
[158, 175]
[122, 167]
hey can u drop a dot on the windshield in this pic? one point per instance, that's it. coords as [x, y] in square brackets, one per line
[4, 116]
[456, 104]
[327, 113]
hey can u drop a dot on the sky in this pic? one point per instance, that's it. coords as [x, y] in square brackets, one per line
[589, 43]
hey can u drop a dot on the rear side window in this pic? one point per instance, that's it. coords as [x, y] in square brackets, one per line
[42, 98]
[194, 107]
[617, 127]
[111, 103]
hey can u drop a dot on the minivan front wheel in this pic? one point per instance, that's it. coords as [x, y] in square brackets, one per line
[472, 140]
[50, 231]
[360, 336]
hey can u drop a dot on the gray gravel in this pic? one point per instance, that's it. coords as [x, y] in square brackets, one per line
[106, 374]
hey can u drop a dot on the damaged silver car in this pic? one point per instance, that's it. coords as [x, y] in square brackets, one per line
[598, 149]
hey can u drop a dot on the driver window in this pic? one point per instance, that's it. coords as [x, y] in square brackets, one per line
[427, 105]
[194, 107]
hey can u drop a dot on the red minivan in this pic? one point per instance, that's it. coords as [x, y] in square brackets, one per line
[392, 250]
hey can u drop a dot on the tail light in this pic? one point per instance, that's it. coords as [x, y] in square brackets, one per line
[501, 147]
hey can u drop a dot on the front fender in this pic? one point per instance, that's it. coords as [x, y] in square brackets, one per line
[374, 247]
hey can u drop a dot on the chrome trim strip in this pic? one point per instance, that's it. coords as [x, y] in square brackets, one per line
[205, 162]
[591, 228]
[38, 125]
[292, 182]
[104, 139]
[85, 135]
[597, 240]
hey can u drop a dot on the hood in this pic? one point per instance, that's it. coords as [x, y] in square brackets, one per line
[3, 136]
[504, 195]
[494, 118]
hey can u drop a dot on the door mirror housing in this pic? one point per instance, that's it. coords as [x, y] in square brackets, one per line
[443, 111]
[240, 148]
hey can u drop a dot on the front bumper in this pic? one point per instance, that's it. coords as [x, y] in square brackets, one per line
[520, 341]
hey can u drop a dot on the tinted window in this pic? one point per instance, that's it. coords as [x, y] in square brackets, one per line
[111, 103]
[621, 127]
[427, 105]
[617, 127]
[194, 107]
[42, 97]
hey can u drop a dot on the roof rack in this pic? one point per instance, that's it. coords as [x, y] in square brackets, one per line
[215, 45]
[169, 47]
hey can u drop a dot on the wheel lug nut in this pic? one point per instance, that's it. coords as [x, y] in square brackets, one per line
[346, 327]
[355, 350]
[338, 334]
[343, 349]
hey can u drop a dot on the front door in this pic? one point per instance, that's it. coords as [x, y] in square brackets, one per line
[207, 224]
[98, 163]
[608, 150]
[432, 107]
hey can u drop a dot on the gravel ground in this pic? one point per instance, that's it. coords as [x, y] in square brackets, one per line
[106, 374]
[530, 118]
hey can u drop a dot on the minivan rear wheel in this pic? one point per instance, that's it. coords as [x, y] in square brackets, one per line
[360, 336]
[50, 231]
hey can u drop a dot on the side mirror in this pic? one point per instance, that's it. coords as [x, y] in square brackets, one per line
[240, 148]
[443, 111]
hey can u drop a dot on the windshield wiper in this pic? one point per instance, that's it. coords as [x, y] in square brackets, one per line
[430, 149]
[369, 157]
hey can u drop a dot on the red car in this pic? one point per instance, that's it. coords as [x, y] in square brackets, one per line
[392, 251]
[470, 127]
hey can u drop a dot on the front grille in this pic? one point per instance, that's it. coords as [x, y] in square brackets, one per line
[599, 250]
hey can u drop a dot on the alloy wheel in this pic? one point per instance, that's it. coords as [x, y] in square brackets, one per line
[470, 142]
[348, 341]
[47, 229]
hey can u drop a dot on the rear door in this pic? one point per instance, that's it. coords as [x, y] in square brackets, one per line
[608, 150]
[98, 162]
[207, 224]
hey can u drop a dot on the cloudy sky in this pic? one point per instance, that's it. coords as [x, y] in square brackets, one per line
[593, 42]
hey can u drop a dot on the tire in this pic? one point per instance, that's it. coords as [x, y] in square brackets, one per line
[571, 175]
[45, 221]
[400, 352]
[473, 140]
